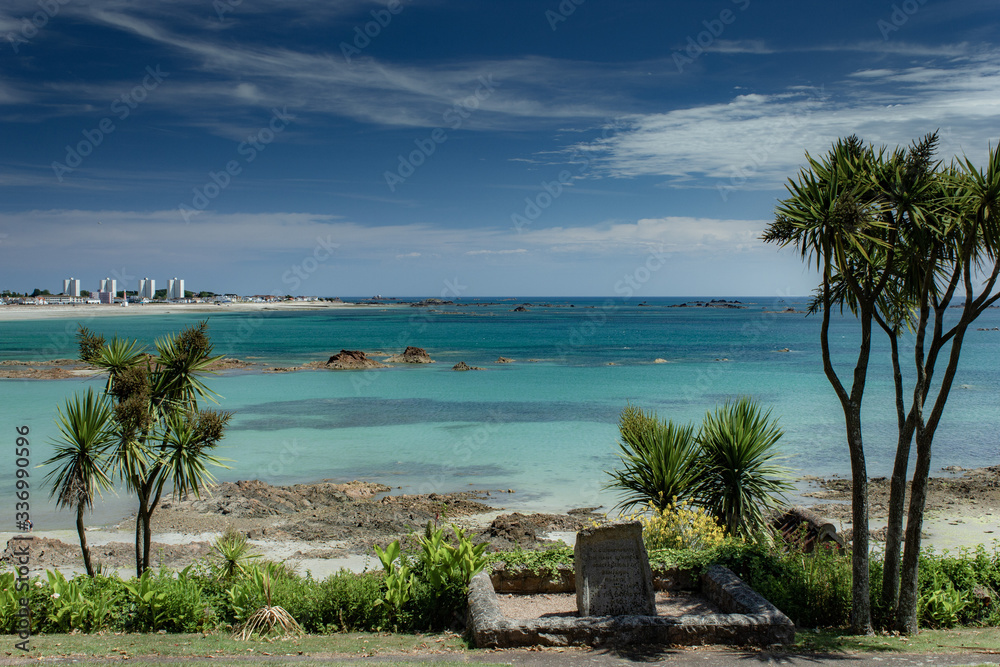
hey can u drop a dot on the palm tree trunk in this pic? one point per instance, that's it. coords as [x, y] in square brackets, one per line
[82, 531]
[909, 594]
[146, 539]
[138, 545]
[861, 613]
[894, 530]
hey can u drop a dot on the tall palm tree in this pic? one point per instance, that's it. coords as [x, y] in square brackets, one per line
[837, 219]
[85, 436]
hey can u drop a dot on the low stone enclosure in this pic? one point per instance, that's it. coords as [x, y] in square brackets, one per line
[729, 612]
[749, 619]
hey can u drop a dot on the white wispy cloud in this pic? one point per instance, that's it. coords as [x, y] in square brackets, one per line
[756, 141]
[514, 251]
[112, 233]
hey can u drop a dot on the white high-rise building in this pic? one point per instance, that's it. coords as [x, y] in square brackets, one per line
[147, 288]
[175, 288]
[71, 287]
[109, 285]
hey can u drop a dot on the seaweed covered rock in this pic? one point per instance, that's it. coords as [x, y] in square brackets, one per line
[351, 360]
[411, 355]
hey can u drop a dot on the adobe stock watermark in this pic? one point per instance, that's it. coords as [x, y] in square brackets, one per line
[462, 452]
[364, 34]
[30, 26]
[785, 130]
[455, 116]
[901, 13]
[20, 545]
[536, 205]
[122, 107]
[549, 191]
[562, 12]
[248, 150]
[415, 324]
[291, 280]
[714, 28]
[752, 332]
[597, 318]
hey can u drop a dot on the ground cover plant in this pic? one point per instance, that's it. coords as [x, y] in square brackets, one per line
[232, 590]
[957, 589]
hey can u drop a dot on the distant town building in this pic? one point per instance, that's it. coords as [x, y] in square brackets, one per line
[147, 288]
[71, 287]
[106, 297]
[109, 285]
[175, 288]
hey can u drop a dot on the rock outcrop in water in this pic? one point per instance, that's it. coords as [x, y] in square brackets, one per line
[462, 366]
[351, 360]
[411, 355]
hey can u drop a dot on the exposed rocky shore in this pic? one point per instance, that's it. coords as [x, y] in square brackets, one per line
[962, 494]
[326, 520]
[330, 520]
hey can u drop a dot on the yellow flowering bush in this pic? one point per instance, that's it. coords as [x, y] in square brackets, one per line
[679, 526]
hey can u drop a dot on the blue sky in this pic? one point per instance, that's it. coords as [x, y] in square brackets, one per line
[457, 148]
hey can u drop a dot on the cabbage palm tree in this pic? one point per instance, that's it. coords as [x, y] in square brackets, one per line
[659, 460]
[836, 217]
[739, 477]
[163, 437]
[85, 437]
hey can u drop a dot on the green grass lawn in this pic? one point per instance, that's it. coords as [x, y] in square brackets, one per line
[449, 646]
[986, 640]
[221, 645]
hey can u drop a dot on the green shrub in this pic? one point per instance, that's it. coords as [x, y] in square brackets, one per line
[350, 602]
[185, 606]
[739, 477]
[959, 588]
[542, 560]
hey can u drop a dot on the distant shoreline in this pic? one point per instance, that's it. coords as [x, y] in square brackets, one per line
[18, 313]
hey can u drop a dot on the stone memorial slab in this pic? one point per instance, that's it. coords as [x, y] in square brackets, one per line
[613, 577]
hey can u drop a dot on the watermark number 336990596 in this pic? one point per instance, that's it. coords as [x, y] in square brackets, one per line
[22, 549]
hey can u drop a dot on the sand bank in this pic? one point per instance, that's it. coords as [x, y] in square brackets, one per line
[10, 313]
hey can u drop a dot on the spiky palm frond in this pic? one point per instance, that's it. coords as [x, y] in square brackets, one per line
[268, 618]
[232, 554]
[181, 362]
[183, 456]
[119, 354]
[740, 479]
[85, 435]
[658, 460]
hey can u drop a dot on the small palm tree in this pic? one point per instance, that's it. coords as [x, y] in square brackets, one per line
[232, 554]
[659, 460]
[85, 436]
[740, 479]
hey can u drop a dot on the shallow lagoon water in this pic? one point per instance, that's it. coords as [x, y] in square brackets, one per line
[545, 427]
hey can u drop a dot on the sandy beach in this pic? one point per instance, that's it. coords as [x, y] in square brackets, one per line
[14, 313]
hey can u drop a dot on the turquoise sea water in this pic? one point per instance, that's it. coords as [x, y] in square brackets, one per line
[544, 427]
